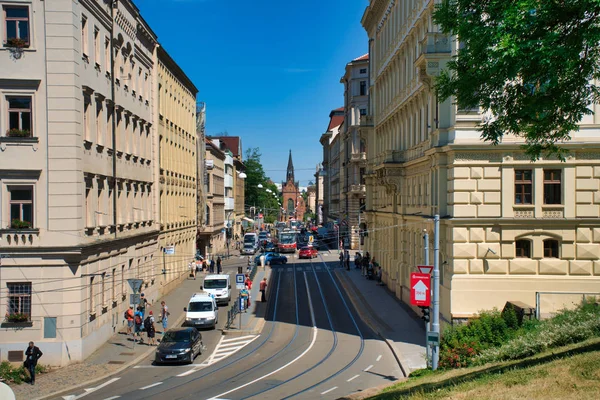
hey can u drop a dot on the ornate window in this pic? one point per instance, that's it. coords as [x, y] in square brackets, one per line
[552, 186]
[523, 186]
[550, 248]
[16, 23]
[19, 299]
[523, 248]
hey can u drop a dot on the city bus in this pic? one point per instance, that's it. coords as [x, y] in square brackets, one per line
[286, 242]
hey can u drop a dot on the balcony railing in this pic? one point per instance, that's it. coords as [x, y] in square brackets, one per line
[358, 189]
[435, 43]
[358, 157]
[366, 120]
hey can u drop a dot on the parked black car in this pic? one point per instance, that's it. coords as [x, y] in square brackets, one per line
[179, 345]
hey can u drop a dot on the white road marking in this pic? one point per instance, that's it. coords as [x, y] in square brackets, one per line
[378, 358]
[88, 391]
[241, 342]
[151, 386]
[191, 371]
[329, 390]
[353, 378]
[312, 343]
[368, 368]
[238, 338]
[112, 398]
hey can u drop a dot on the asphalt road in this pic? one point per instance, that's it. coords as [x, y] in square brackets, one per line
[313, 345]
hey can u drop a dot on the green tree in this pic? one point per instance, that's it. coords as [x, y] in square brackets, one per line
[256, 196]
[530, 63]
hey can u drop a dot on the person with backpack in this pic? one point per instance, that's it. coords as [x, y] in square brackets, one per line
[143, 304]
[150, 330]
[138, 319]
[129, 317]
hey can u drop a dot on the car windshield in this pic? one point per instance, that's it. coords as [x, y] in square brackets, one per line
[305, 249]
[177, 336]
[200, 306]
[215, 283]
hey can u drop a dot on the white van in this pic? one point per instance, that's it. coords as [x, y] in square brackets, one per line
[251, 238]
[219, 286]
[202, 311]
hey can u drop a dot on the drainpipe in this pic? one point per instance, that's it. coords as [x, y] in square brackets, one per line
[113, 118]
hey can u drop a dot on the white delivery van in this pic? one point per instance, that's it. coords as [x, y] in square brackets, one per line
[218, 286]
[251, 238]
[202, 311]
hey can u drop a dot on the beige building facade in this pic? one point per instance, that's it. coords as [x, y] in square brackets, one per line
[80, 215]
[511, 229]
[178, 167]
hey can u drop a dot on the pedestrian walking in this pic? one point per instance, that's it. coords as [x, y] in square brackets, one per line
[32, 354]
[245, 295]
[150, 330]
[262, 261]
[219, 266]
[212, 266]
[357, 260]
[263, 290]
[192, 268]
[341, 257]
[248, 282]
[365, 264]
[129, 317]
[138, 319]
[164, 315]
[143, 304]
[347, 259]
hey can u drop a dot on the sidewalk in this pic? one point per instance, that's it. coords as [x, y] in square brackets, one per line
[119, 352]
[388, 317]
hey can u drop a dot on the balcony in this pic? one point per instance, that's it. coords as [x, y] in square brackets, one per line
[229, 203]
[228, 181]
[358, 157]
[19, 237]
[435, 52]
[366, 121]
[358, 189]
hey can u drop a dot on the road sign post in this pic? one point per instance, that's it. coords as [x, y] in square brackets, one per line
[427, 323]
[435, 323]
[239, 281]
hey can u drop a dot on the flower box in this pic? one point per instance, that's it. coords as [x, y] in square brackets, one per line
[18, 224]
[17, 43]
[18, 133]
[17, 318]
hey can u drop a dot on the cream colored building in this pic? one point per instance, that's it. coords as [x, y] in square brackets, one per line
[331, 166]
[78, 174]
[211, 236]
[510, 228]
[178, 166]
[353, 149]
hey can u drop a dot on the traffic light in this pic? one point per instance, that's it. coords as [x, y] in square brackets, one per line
[425, 311]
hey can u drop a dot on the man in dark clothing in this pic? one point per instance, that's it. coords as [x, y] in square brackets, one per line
[219, 269]
[33, 354]
[212, 266]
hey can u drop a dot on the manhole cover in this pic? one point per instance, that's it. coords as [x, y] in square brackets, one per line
[116, 362]
[127, 354]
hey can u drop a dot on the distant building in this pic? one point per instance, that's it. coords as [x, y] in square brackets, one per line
[293, 203]
[331, 166]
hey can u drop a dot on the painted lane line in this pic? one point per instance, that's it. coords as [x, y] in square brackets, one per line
[151, 386]
[312, 343]
[353, 378]
[368, 368]
[238, 338]
[378, 358]
[88, 391]
[112, 398]
[242, 343]
[329, 390]
[191, 371]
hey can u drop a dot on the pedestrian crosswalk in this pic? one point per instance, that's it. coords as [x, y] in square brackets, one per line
[228, 346]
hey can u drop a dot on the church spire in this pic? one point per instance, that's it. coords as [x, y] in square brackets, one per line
[290, 169]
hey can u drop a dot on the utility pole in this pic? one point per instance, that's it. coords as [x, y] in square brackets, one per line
[435, 356]
[427, 324]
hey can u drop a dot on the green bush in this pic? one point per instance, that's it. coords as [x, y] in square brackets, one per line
[566, 327]
[18, 374]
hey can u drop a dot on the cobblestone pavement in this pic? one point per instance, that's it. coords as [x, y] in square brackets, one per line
[60, 378]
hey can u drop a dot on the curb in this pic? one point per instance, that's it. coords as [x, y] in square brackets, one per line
[345, 281]
[118, 371]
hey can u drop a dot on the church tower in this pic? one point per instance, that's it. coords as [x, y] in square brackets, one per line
[290, 170]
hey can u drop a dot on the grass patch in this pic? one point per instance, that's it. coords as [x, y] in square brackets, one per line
[572, 372]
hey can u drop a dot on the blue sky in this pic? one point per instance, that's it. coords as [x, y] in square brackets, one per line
[268, 70]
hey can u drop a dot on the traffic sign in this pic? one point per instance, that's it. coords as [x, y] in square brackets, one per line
[135, 299]
[420, 289]
[169, 250]
[136, 284]
[433, 338]
[425, 269]
[239, 281]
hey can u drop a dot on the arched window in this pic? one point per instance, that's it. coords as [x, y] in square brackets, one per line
[550, 248]
[290, 206]
[523, 248]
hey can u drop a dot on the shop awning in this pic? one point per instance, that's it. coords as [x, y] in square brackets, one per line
[248, 219]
